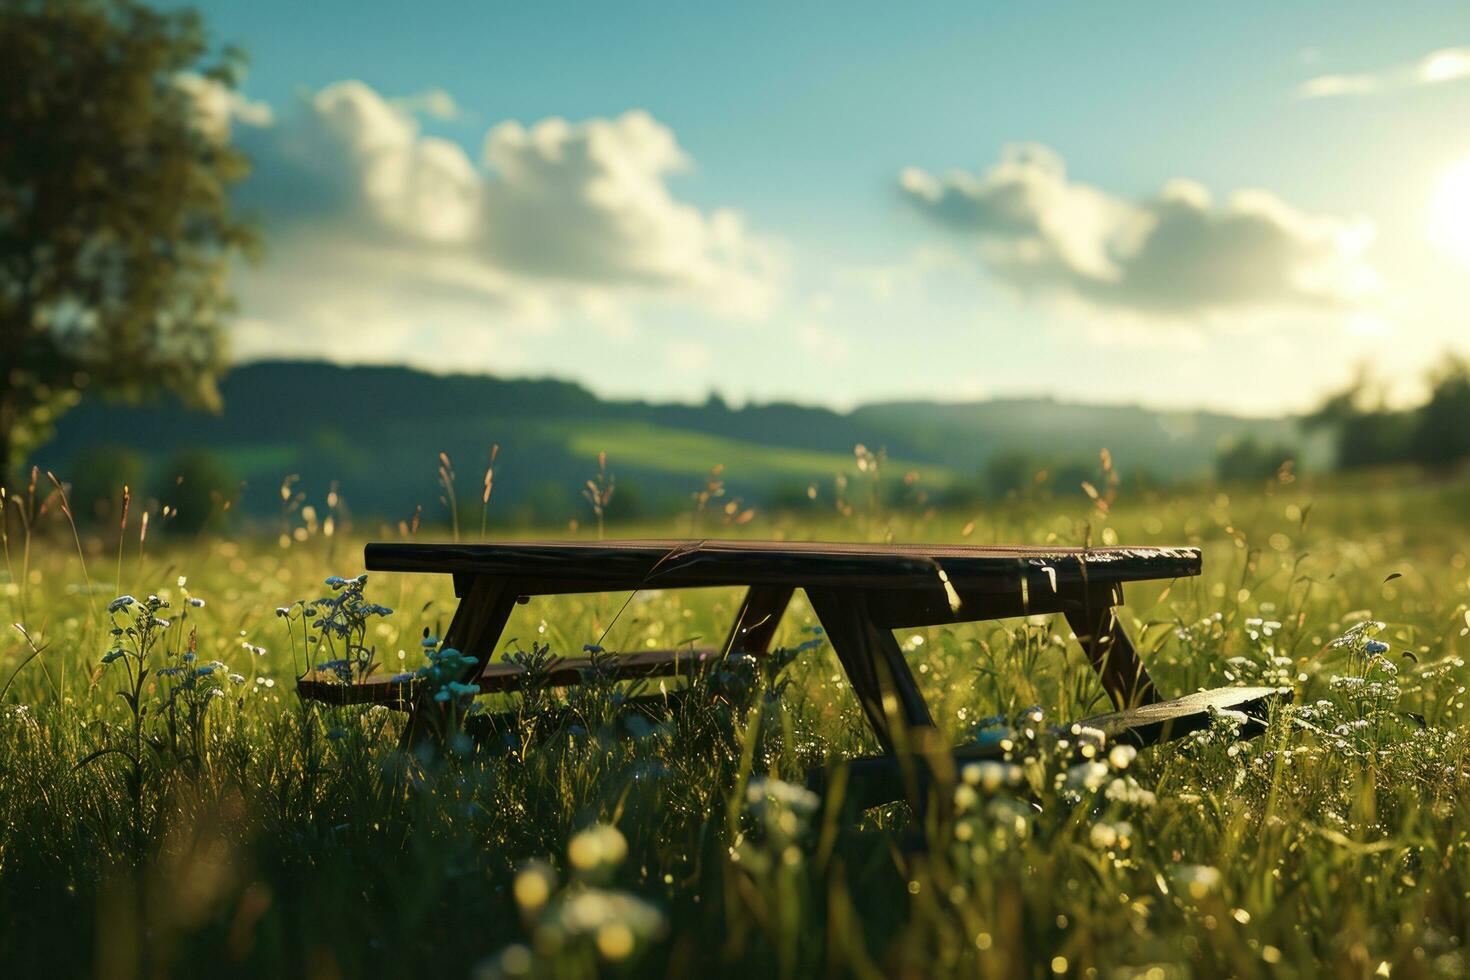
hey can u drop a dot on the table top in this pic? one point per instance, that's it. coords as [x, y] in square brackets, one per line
[645, 563]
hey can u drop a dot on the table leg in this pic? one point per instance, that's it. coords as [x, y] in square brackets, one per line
[875, 665]
[1112, 654]
[760, 614]
[484, 607]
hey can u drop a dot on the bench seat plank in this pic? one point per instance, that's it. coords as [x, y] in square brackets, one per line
[550, 567]
[501, 676]
[876, 780]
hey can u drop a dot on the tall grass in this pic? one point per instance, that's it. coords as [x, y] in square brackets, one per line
[244, 833]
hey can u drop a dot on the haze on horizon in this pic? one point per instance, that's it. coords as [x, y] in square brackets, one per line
[1229, 208]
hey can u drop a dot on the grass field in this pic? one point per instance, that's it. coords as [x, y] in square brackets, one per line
[159, 829]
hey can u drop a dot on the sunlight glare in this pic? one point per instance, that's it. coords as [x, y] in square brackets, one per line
[1450, 216]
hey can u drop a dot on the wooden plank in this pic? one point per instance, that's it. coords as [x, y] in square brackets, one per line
[934, 605]
[1164, 721]
[567, 671]
[874, 664]
[502, 676]
[377, 688]
[876, 780]
[548, 567]
[759, 617]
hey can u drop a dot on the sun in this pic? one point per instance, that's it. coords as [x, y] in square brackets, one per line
[1449, 220]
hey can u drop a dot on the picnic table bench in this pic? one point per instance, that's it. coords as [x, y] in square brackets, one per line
[861, 593]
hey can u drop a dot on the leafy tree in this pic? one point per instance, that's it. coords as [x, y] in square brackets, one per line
[116, 231]
[1442, 426]
[1366, 432]
[199, 490]
[1249, 459]
[98, 477]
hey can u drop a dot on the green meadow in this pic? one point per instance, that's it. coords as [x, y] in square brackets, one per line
[198, 820]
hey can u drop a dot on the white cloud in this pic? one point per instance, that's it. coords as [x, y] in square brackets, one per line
[1435, 68]
[434, 103]
[589, 204]
[1174, 255]
[557, 220]
[217, 107]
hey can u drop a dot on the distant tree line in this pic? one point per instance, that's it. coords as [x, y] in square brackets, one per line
[196, 486]
[1367, 432]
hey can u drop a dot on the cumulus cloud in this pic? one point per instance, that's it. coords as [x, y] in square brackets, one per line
[434, 103]
[1435, 68]
[589, 204]
[1177, 254]
[555, 219]
[217, 107]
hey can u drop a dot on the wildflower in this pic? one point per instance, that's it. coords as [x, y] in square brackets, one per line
[1084, 777]
[615, 941]
[599, 846]
[1197, 880]
[797, 798]
[1127, 790]
[1108, 834]
[534, 884]
[990, 775]
[1121, 756]
[1011, 815]
[613, 920]
[1090, 741]
[455, 689]
[1229, 716]
[1359, 633]
[514, 961]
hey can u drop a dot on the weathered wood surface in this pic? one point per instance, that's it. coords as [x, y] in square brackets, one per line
[759, 617]
[1163, 721]
[1112, 654]
[874, 664]
[876, 780]
[860, 592]
[550, 567]
[500, 676]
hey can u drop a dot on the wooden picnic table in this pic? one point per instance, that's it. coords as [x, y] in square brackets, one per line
[860, 593]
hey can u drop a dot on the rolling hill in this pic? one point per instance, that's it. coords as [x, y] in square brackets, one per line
[377, 432]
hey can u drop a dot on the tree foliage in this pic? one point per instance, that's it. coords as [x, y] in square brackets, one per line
[1369, 433]
[116, 231]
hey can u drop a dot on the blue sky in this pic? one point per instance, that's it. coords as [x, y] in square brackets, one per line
[846, 202]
